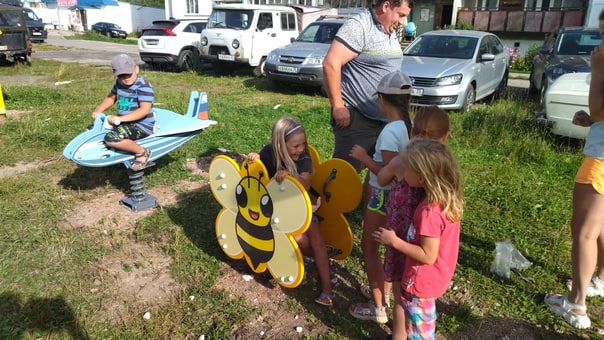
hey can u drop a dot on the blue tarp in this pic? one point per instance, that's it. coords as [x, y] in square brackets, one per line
[96, 3]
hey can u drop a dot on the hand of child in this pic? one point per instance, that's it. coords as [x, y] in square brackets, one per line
[384, 236]
[357, 152]
[252, 156]
[94, 114]
[280, 175]
[581, 118]
[317, 205]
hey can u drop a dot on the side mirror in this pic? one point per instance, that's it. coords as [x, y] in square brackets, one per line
[487, 57]
[544, 49]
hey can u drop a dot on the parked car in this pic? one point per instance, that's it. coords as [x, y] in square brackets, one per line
[14, 37]
[566, 50]
[35, 27]
[172, 43]
[109, 29]
[455, 68]
[565, 96]
[301, 62]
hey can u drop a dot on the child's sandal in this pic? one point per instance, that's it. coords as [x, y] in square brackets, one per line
[559, 305]
[140, 165]
[325, 299]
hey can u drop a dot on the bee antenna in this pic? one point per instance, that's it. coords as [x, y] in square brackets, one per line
[261, 174]
[247, 169]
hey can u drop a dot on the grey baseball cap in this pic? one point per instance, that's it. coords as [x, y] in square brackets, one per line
[122, 64]
[395, 83]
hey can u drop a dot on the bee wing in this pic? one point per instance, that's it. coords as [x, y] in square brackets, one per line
[227, 234]
[292, 208]
[287, 264]
[224, 177]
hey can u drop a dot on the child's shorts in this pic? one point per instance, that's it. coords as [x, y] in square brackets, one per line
[377, 201]
[420, 316]
[592, 172]
[125, 131]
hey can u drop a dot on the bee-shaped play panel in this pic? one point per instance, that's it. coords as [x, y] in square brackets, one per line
[260, 217]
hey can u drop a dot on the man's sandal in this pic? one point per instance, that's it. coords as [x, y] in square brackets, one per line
[367, 311]
[140, 165]
[559, 305]
[325, 299]
[595, 289]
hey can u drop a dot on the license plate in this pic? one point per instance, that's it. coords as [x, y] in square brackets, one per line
[3, 47]
[417, 92]
[226, 57]
[287, 69]
[37, 33]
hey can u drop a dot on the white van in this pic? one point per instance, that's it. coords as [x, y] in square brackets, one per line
[242, 34]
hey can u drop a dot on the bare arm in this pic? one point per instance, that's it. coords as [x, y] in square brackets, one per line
[337, 56]
[426, 252]
[389, 171]
[596, 96]
[107, 102]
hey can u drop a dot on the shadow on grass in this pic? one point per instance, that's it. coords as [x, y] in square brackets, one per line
[37, 318]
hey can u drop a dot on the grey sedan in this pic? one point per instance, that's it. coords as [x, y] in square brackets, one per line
[453, 69]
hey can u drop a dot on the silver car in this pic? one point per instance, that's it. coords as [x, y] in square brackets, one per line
[301, 61]
[453, 69]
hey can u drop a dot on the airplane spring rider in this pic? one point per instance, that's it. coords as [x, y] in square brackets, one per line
[171, 131]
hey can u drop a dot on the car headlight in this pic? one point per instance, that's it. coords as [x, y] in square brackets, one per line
[315, 60]
[449, 80]
[272, 56]
[204, 41]
[235, 44]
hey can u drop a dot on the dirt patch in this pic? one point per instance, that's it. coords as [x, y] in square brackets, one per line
[25, 80]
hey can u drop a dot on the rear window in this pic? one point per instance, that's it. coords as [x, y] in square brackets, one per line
[10, 19]
[158, 28]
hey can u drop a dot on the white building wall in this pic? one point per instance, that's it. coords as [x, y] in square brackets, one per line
[177, 9]
[132, 18]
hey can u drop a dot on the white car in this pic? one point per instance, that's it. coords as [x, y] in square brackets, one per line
[171, 43]
[567, 95]
[453, 69]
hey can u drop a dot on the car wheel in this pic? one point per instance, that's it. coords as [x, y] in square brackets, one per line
[185, 60]
[503, 84]
[469, 99]
[259, 70]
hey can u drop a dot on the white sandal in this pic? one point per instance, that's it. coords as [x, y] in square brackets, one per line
[595, 289]
[559, 305]
[366, 291]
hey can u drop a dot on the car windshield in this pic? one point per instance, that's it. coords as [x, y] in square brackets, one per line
[443, 46]
[578, 42]
[30, 15]
[319, 33]
[237, 19]
[114, 26]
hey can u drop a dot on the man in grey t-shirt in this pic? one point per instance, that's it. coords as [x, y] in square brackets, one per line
[365, 49]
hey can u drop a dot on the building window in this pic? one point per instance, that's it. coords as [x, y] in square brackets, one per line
[192, 7]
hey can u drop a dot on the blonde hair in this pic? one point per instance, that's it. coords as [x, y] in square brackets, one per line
[283, 129]
[437, 166]
[431, 122]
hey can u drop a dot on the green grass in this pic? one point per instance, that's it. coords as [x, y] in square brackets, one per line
[90, 35]
[518, 183]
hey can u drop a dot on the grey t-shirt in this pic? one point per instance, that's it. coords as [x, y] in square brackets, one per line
[379, 54]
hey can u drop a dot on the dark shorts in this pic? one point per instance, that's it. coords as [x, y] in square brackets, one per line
[125, 131]
[361, 131]
[377, 201]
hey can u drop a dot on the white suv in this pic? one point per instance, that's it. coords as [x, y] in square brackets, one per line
[171, 43]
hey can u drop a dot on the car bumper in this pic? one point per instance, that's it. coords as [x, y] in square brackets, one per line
[311, 76]
[224, 58]
[562, 126]
[445, 97]
[158, 58]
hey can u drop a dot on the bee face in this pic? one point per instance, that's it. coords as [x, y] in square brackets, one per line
[253, 201]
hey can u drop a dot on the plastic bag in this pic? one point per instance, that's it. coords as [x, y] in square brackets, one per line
[506, 258]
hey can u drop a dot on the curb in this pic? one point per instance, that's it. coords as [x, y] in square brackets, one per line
[519, 76]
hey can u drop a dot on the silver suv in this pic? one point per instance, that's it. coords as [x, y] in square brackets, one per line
[301, 62]
[172, 43]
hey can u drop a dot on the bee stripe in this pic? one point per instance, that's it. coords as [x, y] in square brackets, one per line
[264, 245]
